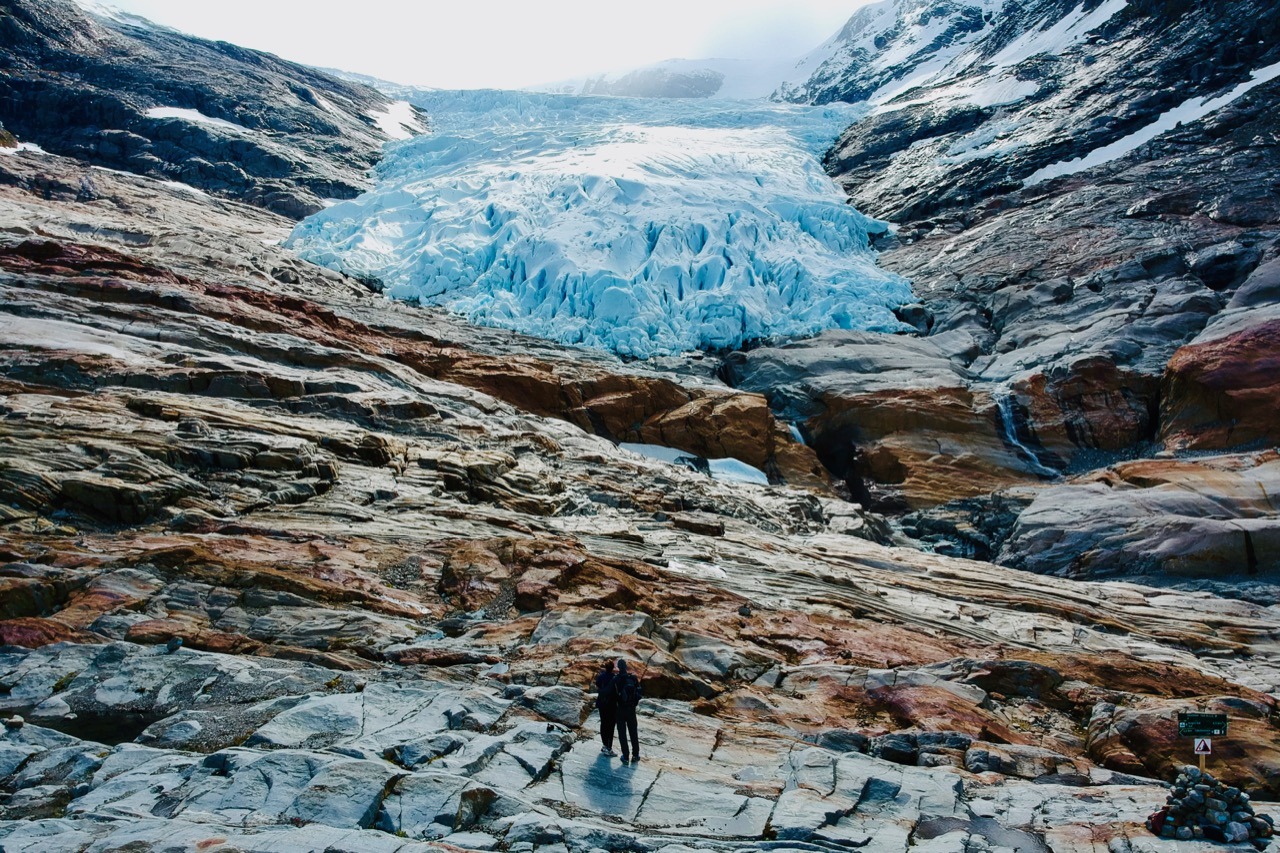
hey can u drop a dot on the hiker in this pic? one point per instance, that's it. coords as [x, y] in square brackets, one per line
[627, 693]
[607, 705]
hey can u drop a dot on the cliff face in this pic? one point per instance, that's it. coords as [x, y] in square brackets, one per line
[123, 93]
[1086, 199]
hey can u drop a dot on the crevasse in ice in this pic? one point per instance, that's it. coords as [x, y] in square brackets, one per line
[640, 226]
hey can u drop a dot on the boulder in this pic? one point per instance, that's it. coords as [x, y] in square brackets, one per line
[567, 706]
[1220, 391]
[1205, 517]
[738, 426]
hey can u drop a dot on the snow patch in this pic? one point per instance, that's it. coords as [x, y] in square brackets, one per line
[736, 471]
[727, 470]
[694, 567]
[995, 138]
[325, 105]
[891, 37]
[641, 226]
[1188, 111]
[1055, 38]
[857, 49]
[30, 147]
[670, 455]
[398, 121]
[186, 188]
[196, 117]
[988, 91]
[114, 13]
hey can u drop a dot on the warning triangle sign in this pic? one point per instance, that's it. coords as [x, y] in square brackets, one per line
[1204, 746]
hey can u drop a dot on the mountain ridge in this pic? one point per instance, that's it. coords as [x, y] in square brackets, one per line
[246, 125]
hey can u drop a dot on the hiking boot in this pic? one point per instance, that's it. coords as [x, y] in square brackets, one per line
[625, 758]
[604, 750]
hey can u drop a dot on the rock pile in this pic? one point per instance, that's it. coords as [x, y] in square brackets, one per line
[1201, 807]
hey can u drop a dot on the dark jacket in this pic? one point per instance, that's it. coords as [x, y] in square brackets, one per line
[625, 691]
[604, 689]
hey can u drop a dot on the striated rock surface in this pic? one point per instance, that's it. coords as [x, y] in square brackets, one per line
[901, 420]
[1211, 517]
[394, 575]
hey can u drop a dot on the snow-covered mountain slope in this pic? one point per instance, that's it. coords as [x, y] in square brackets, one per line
[971, 98]
[640, 226]
[93, 83]
[893, 47]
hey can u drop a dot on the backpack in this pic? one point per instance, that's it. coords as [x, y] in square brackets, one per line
[628, 690]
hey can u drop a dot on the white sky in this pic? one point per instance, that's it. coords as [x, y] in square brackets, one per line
[503, 43]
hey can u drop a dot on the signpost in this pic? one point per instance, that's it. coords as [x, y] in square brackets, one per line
[1202, 727]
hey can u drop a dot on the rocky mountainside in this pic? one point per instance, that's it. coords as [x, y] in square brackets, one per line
[1087, 201]
[123, 93]
[394, 557]
[289, 566]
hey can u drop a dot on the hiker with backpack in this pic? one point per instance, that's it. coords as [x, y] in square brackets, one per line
[607, 705]
[626, 692]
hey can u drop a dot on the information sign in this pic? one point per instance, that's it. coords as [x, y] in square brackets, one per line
[1202, 725]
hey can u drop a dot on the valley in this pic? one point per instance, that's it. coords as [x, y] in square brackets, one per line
[939, 577]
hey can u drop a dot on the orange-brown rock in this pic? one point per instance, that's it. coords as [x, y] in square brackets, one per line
[1203, 516]
[1095, 404]
[31, 596]
[735, 425]
[330, 573]
[935, 709]
[612, 403]
[194, 633]
[33, 632]
[1120, 673]
[1142, 737]
[119, 590]
[931, 445]
[1224, 392]
[806, 639]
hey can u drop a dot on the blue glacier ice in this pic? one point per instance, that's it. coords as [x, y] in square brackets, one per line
[640, 226]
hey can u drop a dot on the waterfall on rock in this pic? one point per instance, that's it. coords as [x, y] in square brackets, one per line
[1006, 403]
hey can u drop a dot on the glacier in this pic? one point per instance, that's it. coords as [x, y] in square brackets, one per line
[644, 227]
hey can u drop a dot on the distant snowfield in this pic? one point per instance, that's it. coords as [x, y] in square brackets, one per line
[196, 117]
[1053, 38]
[640, 226]
[1190, 110]
[741, 79]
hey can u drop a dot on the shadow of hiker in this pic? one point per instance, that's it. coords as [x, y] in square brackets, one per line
[609, 787]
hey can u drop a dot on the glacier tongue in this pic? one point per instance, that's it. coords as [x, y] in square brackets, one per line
[644, 227]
